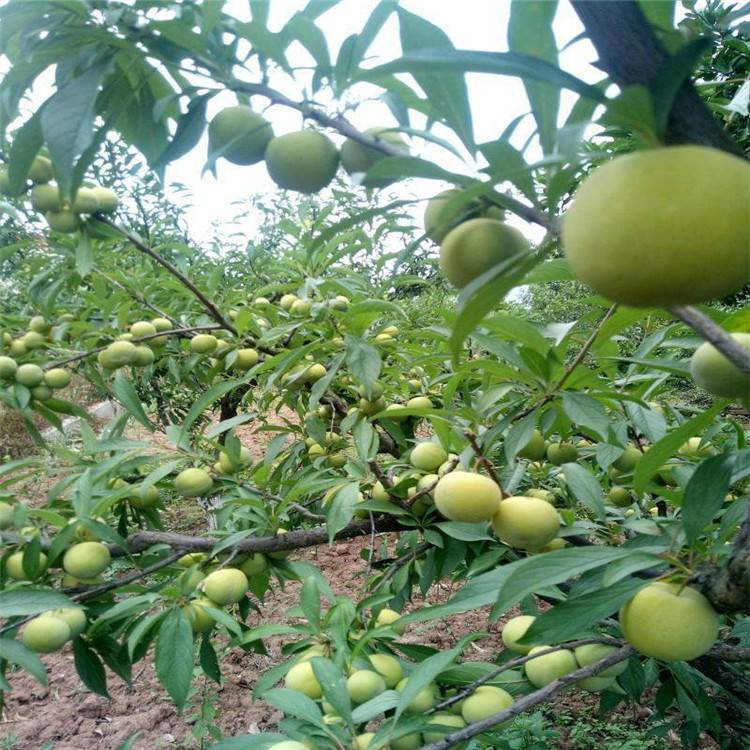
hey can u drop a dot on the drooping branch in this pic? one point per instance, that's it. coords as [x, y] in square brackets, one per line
[529, 701]
[716, 335]
[209, 306]
[630, 54]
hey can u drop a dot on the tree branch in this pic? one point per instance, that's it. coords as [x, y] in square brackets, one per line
[715, 334]
[484, 462]
[139, 298]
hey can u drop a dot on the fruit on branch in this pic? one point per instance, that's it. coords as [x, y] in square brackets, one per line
[545, 669]
[197, 615]
[451, 722]
[314, 373]
[662, 227]
[41, 393]
[364, 684]
[389, 618]
[144, 497]
[669, 622]
[86, 560]
[74, 618]
[452, 207]
[193, 482]
[526, 522]
[106, 199]
[357, 158]
[363, 741]
[57, 378]
[85, 201]
[340, 303]
[45, 634]
[45, 198]
[33, 340]
[255, 564]
[620, 497]
[300, 307]
[6, 516]
[41, 170]
[514, 630]
[628, 460]
[561, 453]
[594, 652]
[427, 456]
[143, 356]
[694, 448]
[425, 699]
[39, 324]
[142, 328]
[301, 678]
[190, 580]
[287, 301]
[536, 448]
[419, 402]
[245, 359]
[305, 161]
[477, 245]
[225, 586]
[542, 494]
[411, 741]
[239, 135]
[228, 466]
[29, 375]
[714, 372]
[203, 343]
[14, 566]
[485, 701]
[388, 667]
[467, 497]
[63, 221]
[118, 354]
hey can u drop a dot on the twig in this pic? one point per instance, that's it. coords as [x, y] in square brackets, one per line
[306, 513]
[139, 298]
[550, 394]
[484, 462]
[210, 307]
[430, 487]
[517, 662]
[530, 700]
[716, 335]
[399, 563]
[387, 485]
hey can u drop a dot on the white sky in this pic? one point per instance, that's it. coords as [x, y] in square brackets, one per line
[495, 100]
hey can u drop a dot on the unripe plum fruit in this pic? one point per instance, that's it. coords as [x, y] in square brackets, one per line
[29, 375]
[364, 684]
[526, 522]
[514, 630]
[239, 135]
[467, 497]
[662, 227]
[389, 618]
[475, 246]
[245, 359]
[357, 158]
[45, 198]
[305, 161]
[620, 497]
[288, 745]
[536, 448]
[594, 652]
[545, 669]
[14, 566]
[485, 701]
[714, 372]
[427, 456]
[200, 620]
[193, 482]
[86, 560]
[64, 221]
[142, 328]
[447, 210]
[45, 634]
[106, 199]
[203, 343]
[669, 622]
[451, 722]
[8, 367]
[389, 667]
[425, 699]
[225, 586]
[74, 617]
[628, 460]
[301, 678]
[561, 453]
[57, 378]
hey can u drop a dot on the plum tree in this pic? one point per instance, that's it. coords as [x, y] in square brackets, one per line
[637, 236]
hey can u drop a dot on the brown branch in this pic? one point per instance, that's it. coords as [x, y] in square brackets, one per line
[529, 701]
[517, 662]
[399, 563]
[210, 307]
[716, 335]
[484, 462]
[552, 391]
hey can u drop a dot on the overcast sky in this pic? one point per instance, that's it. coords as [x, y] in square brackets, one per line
[495, 100]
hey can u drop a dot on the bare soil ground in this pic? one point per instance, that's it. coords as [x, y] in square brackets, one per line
[69, 717]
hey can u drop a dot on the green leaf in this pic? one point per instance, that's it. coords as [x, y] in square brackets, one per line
[189, 130]
[660, 13]
[208, 659]
[310, 601]
[577, 616]
[31, 601]
[15, 652]
[659, 452]
[89, 667]
[84, 255]
[68, 122]
[705, 494]
[423, 675]
[375, 707]
[333, 684]
[27, 141]
[126, 394]
[202, 403]
[481, 295]
[585, 488]
[465, 532]
[530, 32]
[341, 509]
[173, 657]
[586, 411]
[294, 703]
[363, 361]
[446, 89]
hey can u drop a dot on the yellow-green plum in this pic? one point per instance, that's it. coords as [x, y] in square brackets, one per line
[142, 328]
[289, 745]
[85, 201]
[301, 678]
[389, 618]
[198, 616]
[694, 448]
[628, 460]
[193, 482]
[477, 245]
[255, 564]
[120, 354]
[536, 448]
[45, 198]
[14, 566]
[57, 378]
[45, 634]
[419, 402]
[662, 227]
[239, 135]
[485, 701]
[106, 199]
[425, 699]
[542, 494]
[63, 221]
[225, 586]
[245, 359]
[41, 170]
[427, 456]
[388, 667]
[452, 207]
[561, 453]
[6, 515]
[8, 367]
[74, 618]
[447, 724]
[669, 622]
[29, 375]
[411, 741]
[514, 630]
[364, 684]
[144, 497]
[228, 465]
[467, 497]
[594, 652]
[620, 497]
[305, 161]
[714, 372]
[545, 669]
[86, 560]
[203, 343]
[357, 158]
[526, 522]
